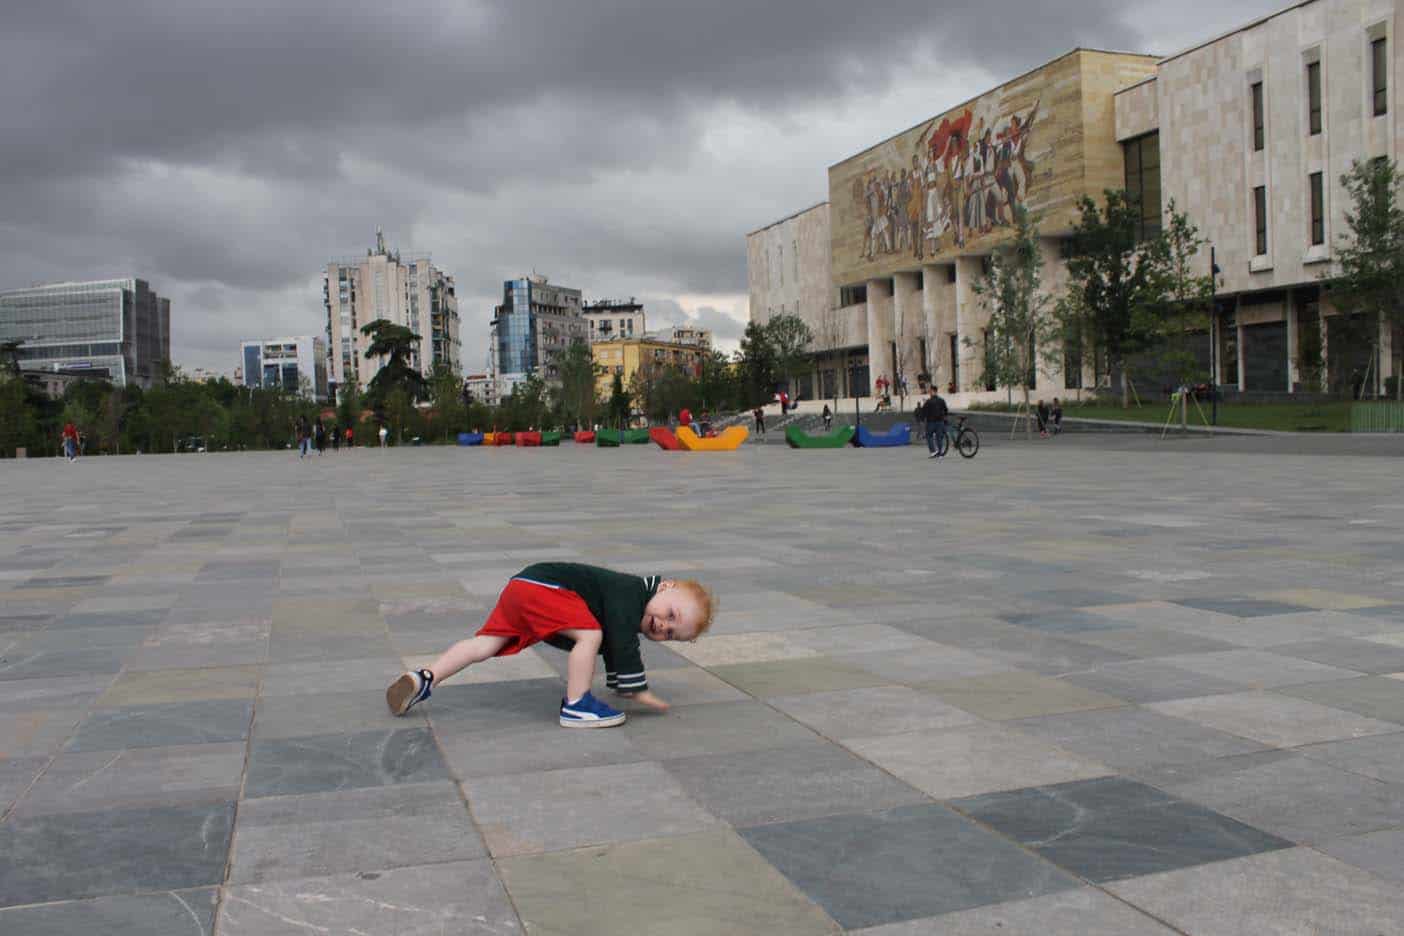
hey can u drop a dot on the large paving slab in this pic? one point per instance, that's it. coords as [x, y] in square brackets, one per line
[1087, 686]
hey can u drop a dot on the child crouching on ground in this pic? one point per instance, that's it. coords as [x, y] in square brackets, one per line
[586, 610]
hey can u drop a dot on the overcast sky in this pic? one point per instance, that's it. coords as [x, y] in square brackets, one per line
[225, 150]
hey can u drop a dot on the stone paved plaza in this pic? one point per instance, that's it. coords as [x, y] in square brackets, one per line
[1093, 686]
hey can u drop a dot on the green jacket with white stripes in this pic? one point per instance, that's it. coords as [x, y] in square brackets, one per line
[617, 601]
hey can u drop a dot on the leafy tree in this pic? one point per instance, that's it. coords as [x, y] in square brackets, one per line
[396, 344]
[1021, 325]
[756, 360]
[1183, 309]
[348, 411]
[399, 409]
[446, 390]
[525, 407]
[578, 375]
[1114, 281]
[19, 417]
[618, 401]
[716, 382]
[1369, 290]
[789, 339]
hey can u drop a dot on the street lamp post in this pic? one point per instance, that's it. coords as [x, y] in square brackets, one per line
[1213, 336]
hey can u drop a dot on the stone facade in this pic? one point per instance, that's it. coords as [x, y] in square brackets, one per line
[1201, 104]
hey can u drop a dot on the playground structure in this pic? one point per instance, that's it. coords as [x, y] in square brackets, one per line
[795, 437]
[470, 438]
[585, 436]
[729, 440]
[898, 435]
[665, 439]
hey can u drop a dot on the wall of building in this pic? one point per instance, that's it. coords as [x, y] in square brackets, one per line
[950, 185]
[788, 267]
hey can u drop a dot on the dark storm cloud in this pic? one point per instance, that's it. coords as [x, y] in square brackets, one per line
[207, 144]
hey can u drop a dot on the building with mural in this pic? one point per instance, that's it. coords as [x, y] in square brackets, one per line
[914, 217]
[1249, 134]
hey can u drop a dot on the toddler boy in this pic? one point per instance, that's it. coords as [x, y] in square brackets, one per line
[586, 610]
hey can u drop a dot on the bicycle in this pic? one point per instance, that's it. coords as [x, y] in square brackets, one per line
[964, 439]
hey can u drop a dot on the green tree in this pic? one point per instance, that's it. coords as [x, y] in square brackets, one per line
[1185, 292]
[618, 402]
[1022, 327]
[789, 339]
[19, 417]
[1369, 290]
[756, 361]
[576, 393]
[716, 382]
[1114, 280]
[399, 409]
[348, 410]
[396, 344]
[446, 390]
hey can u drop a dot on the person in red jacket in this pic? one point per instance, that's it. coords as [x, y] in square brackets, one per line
[70, 441]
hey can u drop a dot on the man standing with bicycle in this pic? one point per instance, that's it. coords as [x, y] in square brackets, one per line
[933, 412]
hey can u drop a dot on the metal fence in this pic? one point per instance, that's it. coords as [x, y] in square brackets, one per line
[1377, 417]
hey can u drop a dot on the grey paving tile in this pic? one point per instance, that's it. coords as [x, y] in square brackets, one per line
[206, 721]
[1112, 828]
[1258, 669]
[1377, 697]
[1295, 797]
[1274, 719]
[879, 710]
[1062, 621]
[1146, 681]
[721, 728]
[789, 677]
[1001, 696]
[1293, 892]
[708, 881]
[536, 748]
[925, 663]
[782, 784]
[16, 774]
[22, 662]
[561, 809]
[456, 897]
[137, 777]
[330, 713]
[1081, 912]
[956, 762]
[479, 707]
[167, 913]
[74, 855]
[1379, 756]
[867, 869]
[321, 763]
[1381, 853]
[1363, 656]
[320, 834]
[1150, 642]
[1130, 738]
[1242, 607]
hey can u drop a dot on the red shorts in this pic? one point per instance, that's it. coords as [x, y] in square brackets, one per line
[529, 612]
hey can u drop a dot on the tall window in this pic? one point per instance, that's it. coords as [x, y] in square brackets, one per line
[1257, 89]
[1318, 219]
[1260, 219]
[1314, 98]
[1142, 158]
[1379, 75]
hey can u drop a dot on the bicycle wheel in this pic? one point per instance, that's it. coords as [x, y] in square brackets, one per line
[968, 443]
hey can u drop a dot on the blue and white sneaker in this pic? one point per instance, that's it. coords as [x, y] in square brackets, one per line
[408, 691]
[589, 712]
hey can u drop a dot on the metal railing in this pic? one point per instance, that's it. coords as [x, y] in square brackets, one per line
[1381, 416]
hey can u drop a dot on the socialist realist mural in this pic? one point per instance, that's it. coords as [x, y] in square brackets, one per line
[953, 183]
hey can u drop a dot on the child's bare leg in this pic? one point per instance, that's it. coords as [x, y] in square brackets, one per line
[580, 665]
[473, 650]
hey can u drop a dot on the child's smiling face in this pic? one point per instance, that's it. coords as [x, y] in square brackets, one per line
[671, 614]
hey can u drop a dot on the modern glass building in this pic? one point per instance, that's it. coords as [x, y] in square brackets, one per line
[119, 326]
[283, 362]
[536, 321]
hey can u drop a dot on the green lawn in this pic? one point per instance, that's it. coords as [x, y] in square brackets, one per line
[1288, 417]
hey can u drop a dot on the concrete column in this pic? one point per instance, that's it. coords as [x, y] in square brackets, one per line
[1292, 375]
[1242, 374]
[938, 308]
[970, 319]
[879, 331]
[906, 317]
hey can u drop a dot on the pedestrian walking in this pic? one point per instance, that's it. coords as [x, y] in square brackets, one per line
[933, 412]
[70, 441]
[319, 436]
[759, 415]
[828, 418]
[384, 435]
[304, 437]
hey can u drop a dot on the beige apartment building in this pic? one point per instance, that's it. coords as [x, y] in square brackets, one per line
[1248, 132]
[408, 291]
